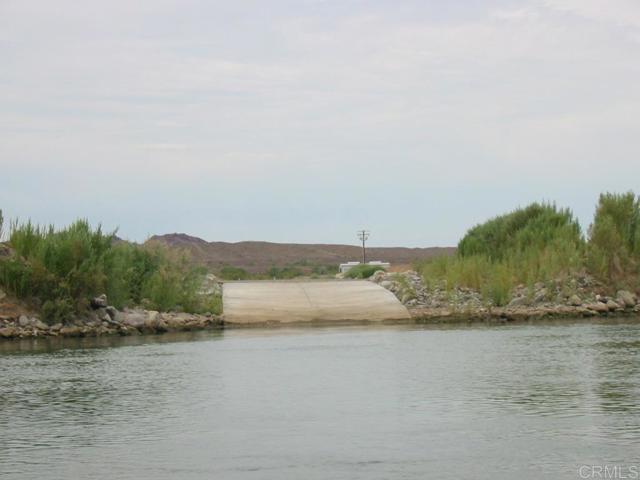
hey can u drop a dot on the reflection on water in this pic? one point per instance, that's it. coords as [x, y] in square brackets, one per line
[525, 401]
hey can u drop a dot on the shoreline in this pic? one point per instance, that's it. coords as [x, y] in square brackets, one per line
[515, 315]
[421, 305]
[160, 323]
[129, 323]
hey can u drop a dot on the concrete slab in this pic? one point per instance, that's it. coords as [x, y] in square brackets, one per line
[309, 301]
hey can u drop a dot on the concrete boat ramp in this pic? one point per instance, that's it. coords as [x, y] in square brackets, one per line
[264, 302]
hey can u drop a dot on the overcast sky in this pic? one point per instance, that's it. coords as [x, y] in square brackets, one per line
[302, 121]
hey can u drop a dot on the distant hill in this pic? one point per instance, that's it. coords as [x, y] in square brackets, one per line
[260, 256]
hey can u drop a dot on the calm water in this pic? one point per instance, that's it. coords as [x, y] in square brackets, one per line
[351, 402]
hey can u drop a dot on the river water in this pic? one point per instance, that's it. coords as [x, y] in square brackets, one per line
[518, 401]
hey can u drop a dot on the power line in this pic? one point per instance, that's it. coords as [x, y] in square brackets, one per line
[364, 236]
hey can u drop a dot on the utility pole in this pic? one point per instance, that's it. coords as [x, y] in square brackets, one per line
[363, 235]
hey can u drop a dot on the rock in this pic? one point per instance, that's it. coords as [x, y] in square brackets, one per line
[5, 250]
[39, 324]
[71, 331]
[8, 332]
[161, 325]
[386, 284]
[586, 312]
[574, 301]
[598, 307]
[24, 321]
[112, 312]
[540, 296]
[627, 299]
[99, 302]
[133, 318]
[612, 306]
[378, 276]
[210, 285]
[102, 315]
[175, 322]
[518, 302]
[56, 327]
[151, 321]
[405, 298]
[2, 294]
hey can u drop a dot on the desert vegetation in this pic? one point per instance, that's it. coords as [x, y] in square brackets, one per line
[288, 272]
[362, 271]
[60, 270]
[544, 243]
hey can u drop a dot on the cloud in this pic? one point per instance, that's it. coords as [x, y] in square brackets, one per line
[164, 146]
[616, 12]
[329, 100]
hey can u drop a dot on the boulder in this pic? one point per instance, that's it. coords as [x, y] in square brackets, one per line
[378, 276]
[518, 302]
[575, 301]
[8, 332]
[39, 324]
[612, 306]
[112, 312]
[176, 321]
[133, 318]
[162, 325]
[71, 331]
[103, 315]
[24, 321]
[626, 299]
[586, 311]
[151, 321]
[598, 307]
[99, 302]
[540, 296]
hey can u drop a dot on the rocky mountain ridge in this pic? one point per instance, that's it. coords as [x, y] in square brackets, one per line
[256, 256]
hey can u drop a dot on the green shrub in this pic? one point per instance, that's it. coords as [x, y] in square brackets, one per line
[233, 273]
[498, 286]
[61, 270]
[325, 269]
[362, 271]
[57, 310]
[532, 228]
[211, 304]
[614, 239]
[533, 244]
[284, 273]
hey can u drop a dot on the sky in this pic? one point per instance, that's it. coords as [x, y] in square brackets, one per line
[304, 121]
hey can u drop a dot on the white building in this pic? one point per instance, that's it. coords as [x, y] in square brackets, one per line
[345, 267]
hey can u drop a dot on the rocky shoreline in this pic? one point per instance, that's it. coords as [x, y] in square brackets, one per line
[574, 298]
[103, 320]
[567, 298]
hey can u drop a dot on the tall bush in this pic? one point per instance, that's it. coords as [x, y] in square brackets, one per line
[61, 270]
[533, 244]
[614, 238]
